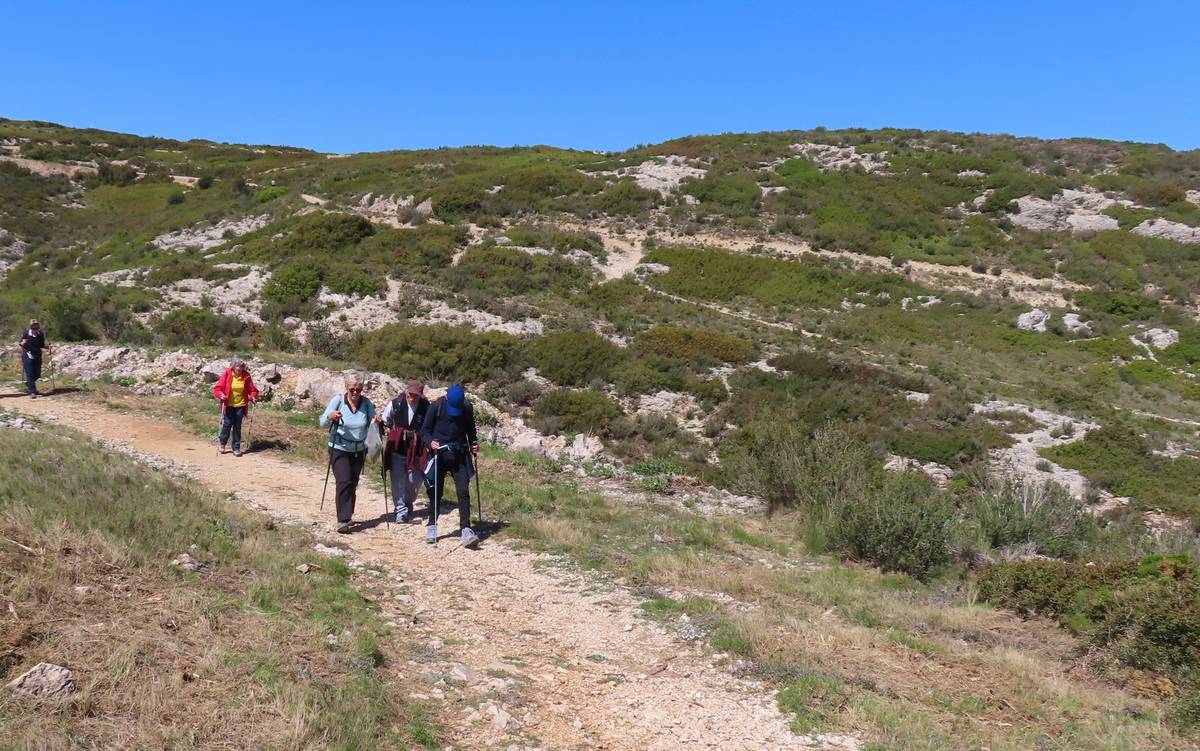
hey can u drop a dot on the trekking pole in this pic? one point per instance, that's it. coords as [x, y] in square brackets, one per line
[53, 377]
[221, 414]
[329, 466]
[436, 479]
[478, 497]
[383, 470]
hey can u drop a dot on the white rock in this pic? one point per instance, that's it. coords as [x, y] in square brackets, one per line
[328, 551]
[651, 268]
[186, 562]
[45, 681]
[939, 473]
[585, 447]
[663, 174]
[1156, 338]
[1168, 230]
[206, 236]
[1034, 320]
[829, 157]
[1076, 325]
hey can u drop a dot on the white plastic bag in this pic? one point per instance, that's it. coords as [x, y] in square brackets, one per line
[374, 442]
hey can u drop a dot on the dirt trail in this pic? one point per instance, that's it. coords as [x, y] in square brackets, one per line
[552, 660]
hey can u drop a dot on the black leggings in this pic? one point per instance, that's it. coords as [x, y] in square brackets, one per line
[347, 468]
[460, 470]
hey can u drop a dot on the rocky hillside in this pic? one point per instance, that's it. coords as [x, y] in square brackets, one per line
[983, 346]
[669, 298]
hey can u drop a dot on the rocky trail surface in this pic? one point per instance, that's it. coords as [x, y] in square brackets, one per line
[513, 650]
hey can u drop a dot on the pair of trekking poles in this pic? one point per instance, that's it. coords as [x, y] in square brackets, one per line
[383, 472]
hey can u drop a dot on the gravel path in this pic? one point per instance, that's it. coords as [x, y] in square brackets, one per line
[521, 652]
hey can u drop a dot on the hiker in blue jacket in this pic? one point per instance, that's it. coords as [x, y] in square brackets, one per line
[449, 432]
[348, 417]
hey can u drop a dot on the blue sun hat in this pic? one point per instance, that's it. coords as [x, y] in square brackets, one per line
[456, 399]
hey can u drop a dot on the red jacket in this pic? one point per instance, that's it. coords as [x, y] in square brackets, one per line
[220, 389]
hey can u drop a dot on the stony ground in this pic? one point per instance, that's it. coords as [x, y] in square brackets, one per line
[519, 650]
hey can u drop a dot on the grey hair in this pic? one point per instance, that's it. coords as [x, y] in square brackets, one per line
[236, 362]
[353, 378]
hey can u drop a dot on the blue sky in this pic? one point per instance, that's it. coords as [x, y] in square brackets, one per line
[601, 75]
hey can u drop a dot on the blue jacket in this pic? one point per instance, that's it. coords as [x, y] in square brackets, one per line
[351, 434]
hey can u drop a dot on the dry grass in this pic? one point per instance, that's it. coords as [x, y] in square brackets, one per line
[898, 663]
[233, 657]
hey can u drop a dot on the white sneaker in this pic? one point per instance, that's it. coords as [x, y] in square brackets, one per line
[469, 538]
[431, 534]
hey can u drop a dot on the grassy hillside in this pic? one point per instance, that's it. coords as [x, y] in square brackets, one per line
[713, 307]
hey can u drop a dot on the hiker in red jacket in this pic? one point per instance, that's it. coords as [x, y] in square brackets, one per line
[235, 390]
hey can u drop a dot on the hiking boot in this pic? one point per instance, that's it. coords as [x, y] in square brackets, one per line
[401, 515]
[237, 452]
[469, 538]
[431, 534]
[34, 395]
[343, 528]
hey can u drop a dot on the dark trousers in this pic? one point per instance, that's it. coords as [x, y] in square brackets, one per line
[460, 470]
[33, 371]
[231, 422]
[347, 467]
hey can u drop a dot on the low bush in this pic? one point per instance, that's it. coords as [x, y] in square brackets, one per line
[625, 198]
[502, 272]
[576, 412]
[701, 347]
[574, 358]
[734, 195]
[69, 320]
[1145, 613]
[270, 194]
[899, 524]
[437, 353]
[175, 197]
[1044, 517]
[200, 325]
[300, 279]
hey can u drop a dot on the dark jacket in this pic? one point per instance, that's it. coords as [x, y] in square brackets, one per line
[33, 343]
[398, 418]
[455, 431]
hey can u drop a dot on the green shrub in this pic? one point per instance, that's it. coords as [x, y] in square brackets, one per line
[900, 524]
[497, 271]
[1146, 613]
[199, 325]
[703, 347]
[300, 279]
[453, 203]
[576, 412]
[437, 353]
[1045, 516]
[117, 174]
[430, 246]
[69, 320]
[574, 358]
[931, 444]
[270, 194]
[1119, 459]
[175, 197]
[732, 195]
[625, 198]
[782, 463]
[530, 236]
[344, 279]
[205, 182]
[1144, 372]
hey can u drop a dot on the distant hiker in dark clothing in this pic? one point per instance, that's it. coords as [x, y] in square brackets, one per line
[449, 432]
[404, 450]
[351, 415]
[236, 392]
[33, 341]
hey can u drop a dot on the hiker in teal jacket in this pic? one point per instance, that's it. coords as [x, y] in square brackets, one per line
[348, 417]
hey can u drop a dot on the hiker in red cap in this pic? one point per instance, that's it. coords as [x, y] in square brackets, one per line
[403, 417]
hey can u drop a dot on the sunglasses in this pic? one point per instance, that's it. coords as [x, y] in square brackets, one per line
[355, 389]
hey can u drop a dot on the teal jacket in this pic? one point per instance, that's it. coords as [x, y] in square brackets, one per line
[351, 434]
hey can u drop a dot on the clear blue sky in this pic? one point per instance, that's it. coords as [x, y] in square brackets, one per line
[357, 76]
